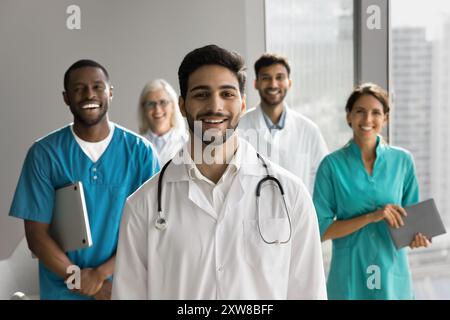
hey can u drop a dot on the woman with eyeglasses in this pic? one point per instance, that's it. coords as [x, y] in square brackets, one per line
[160, 119]
[360, 190]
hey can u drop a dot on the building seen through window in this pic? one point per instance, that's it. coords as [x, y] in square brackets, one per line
[317, 37]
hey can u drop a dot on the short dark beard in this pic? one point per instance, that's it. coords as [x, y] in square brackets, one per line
[88, 123]
[204, 139]
[272, 104]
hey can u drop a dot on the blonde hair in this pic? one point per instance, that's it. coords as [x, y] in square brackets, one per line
[176, 121]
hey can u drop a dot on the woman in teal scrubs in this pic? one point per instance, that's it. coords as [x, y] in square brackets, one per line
[360, 189]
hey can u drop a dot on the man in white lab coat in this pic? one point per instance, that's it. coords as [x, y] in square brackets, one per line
[209, 241]
[283, 135]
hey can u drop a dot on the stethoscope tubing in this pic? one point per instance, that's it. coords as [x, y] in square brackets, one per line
[161, 220]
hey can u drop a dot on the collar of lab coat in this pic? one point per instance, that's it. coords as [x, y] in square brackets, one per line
[249, 165]
[231, 170]
[261, 123]
[245, 159]
[279, 125]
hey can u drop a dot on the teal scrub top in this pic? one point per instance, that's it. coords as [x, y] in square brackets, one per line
[365, 264]
[57, 160]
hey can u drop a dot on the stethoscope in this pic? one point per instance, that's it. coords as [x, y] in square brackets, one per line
[161, 220]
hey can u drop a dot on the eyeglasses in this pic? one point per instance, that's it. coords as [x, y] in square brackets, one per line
[152, 104]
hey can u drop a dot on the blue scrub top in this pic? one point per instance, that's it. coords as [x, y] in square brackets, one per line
[57, 160]
[365, 264]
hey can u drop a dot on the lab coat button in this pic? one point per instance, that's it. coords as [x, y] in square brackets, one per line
[220, 269]
[95, 177]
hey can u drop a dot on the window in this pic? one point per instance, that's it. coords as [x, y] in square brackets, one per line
[420, 74]
[317, 38]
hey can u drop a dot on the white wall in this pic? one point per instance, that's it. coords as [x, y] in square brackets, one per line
[136, 41]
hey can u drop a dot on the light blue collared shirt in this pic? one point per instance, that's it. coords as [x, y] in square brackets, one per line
[278, 126]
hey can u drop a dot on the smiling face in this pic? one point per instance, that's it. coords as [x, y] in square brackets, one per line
[273, 84]
[159, 110]
[367, 118]
[88, 95]
[213, 100]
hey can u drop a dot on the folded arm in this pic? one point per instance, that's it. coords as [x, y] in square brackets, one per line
[55, 259]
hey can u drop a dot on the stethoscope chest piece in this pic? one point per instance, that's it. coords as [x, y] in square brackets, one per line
[160, 222]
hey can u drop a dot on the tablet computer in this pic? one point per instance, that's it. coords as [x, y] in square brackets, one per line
[422, 217]
[70, 223]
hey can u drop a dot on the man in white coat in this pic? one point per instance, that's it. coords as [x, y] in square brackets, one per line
[205, 238]
[283, 135]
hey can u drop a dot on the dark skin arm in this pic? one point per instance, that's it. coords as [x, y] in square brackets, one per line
[50, 254]
[95, 278]
[45, 248]
[105, 292]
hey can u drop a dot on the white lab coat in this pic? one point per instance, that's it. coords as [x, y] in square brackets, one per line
[200, 256]
[299, 147]
[175, 140]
